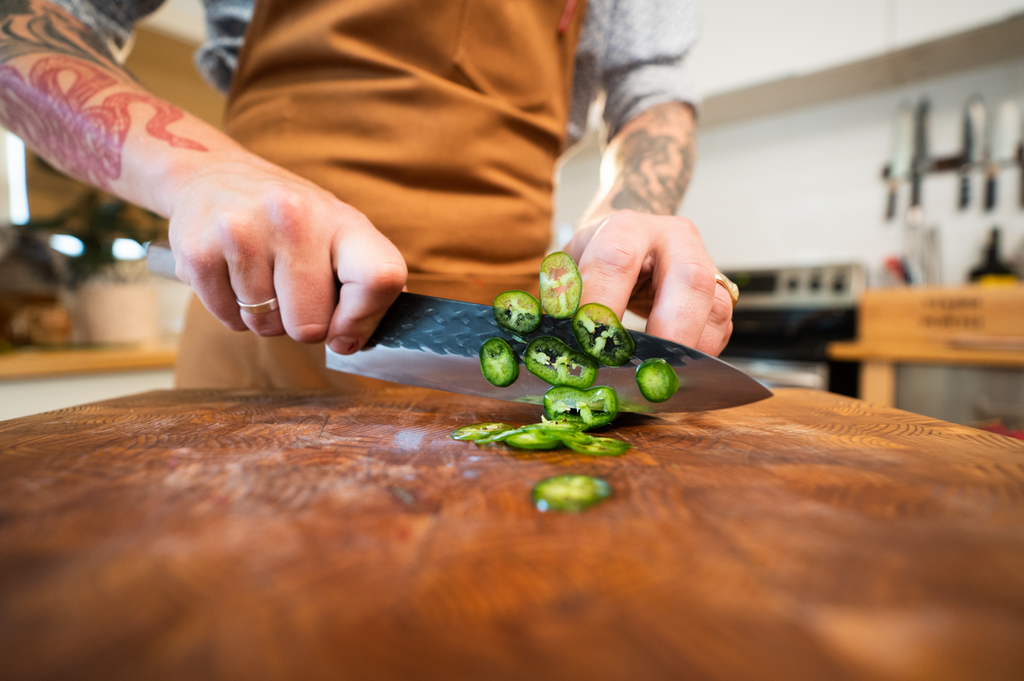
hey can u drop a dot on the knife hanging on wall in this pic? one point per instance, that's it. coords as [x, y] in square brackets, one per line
[973, 146]
[1006, 132]
[914, 227]
[902, 155]
[920, 161]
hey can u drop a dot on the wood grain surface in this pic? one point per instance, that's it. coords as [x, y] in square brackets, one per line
[234, 535]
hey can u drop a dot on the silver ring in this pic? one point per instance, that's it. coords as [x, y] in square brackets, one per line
[259, 308]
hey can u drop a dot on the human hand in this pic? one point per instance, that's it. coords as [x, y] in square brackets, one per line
[655, 266]
[243, 229]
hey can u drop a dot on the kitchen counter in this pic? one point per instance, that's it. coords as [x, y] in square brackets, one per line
[209, 534]
[34, 380]
[43, 362]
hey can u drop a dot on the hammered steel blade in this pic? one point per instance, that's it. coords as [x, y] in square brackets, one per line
[435, 343]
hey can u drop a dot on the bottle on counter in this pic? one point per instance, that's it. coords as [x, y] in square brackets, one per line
[993, 270]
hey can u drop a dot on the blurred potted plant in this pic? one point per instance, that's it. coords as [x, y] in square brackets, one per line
[116, 300]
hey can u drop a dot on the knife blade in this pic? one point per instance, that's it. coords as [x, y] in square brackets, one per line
[1003, 147]
[435, 343]
[902, 154]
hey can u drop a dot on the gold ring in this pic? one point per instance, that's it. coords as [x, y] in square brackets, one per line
[733, 289]
[259, 308]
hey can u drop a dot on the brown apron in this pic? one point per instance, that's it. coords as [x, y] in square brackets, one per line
[441, 121]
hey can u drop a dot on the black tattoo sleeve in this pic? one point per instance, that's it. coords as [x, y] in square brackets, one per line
[655, 171]
[28, 27]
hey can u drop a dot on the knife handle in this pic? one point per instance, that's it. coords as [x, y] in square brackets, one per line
[890, 204]
[965, 189]
[990, 193]
[160, 260]
[915, 190]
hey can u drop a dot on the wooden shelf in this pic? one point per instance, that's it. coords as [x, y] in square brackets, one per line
[38, 363]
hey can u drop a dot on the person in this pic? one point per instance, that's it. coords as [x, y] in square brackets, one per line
[379, 145]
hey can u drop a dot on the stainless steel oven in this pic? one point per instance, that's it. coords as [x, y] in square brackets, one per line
[785, 319]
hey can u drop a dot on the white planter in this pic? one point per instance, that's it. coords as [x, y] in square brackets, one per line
[119, 313]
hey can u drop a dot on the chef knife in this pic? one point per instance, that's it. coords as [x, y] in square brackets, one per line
[435, 343]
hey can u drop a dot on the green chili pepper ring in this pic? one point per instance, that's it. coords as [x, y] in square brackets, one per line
[570, 493]
[601, 335]
[560, 285]
[477, 431]
[498, 362]
[656, 379]
[517, 311]
[554, 362]
[593, 408]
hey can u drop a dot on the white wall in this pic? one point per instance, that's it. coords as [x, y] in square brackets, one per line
[745, 42]
[805, 186]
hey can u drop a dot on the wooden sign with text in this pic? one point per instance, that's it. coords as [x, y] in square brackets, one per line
[942, 315]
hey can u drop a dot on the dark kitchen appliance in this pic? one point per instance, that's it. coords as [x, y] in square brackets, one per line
[785, 319]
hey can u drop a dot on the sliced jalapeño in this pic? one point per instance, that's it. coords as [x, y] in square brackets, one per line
[594, 445]
[656, 379]
[601, 335]
[593, 408]
[477, 431]
[554, 362]
[498, 362]
[560, 285]
[569, 493]
[517, 312]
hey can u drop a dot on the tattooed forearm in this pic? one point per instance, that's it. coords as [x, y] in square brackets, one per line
[86, 141]
[69, 106]
[653, 161]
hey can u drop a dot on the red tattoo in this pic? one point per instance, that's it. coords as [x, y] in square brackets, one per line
[50, 112]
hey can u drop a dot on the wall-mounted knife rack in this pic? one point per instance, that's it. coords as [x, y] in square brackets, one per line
[945, 164]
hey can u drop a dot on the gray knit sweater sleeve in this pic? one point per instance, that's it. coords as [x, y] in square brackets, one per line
[634, 51]
[112, 20]
[216, 59]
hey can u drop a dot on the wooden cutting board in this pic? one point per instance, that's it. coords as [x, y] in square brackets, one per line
[202, 535]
